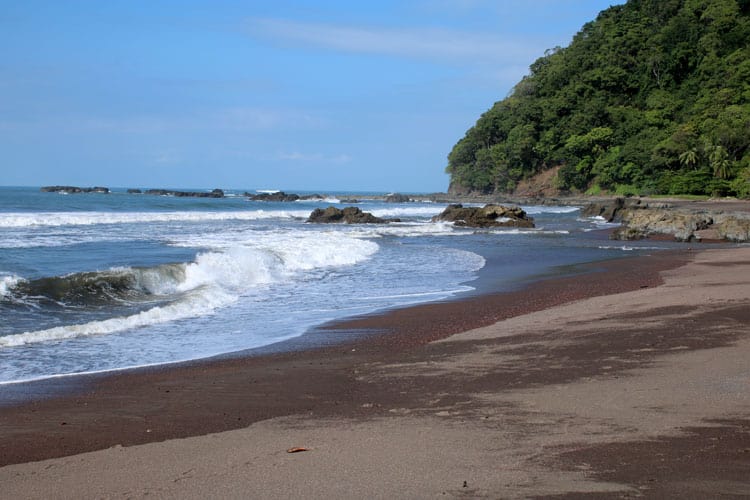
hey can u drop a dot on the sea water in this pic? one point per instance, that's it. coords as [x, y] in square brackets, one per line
[92, 282]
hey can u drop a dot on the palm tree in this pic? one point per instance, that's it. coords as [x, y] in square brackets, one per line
[719, 159]
[689, 158]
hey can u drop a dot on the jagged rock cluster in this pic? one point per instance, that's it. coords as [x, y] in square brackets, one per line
[487, 216]
[683, 225]
[348, 215]
[642, 219]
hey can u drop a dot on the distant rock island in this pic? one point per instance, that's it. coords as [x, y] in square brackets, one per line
[216, 193]
[74, 189]
[281, 196]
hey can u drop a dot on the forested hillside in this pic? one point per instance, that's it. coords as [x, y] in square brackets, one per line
[653, 97]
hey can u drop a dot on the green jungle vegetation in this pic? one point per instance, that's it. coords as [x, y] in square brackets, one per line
[650, 98]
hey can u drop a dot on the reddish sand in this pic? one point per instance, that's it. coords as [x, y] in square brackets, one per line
[606, 384]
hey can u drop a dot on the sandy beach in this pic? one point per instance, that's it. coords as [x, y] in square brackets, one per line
[631, 380]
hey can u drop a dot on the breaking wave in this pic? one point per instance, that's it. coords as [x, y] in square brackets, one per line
[213, 280]
[19, 219]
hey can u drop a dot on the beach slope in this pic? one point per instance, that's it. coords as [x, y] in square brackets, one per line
[642, 392]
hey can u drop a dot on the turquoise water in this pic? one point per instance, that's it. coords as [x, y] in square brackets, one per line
[92, 282]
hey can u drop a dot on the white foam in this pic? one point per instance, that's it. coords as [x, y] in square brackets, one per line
[626, 248]
[411, 211]
[196, 305]
[599, 221]
[331, 200]
[22, 219]
[420, 295]
[217, 279]
[551, 209]
[405, 229]
[7, 283]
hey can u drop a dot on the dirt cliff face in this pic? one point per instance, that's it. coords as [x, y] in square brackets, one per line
[542, 185]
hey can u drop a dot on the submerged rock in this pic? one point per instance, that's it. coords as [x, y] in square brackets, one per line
[487, 216]
[348, 215]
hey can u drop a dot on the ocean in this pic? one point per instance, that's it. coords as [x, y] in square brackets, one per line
[92, 282]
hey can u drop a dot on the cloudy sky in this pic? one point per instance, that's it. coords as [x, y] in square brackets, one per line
[295, 95]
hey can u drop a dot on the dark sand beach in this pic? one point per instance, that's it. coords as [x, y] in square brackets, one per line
[628, 380]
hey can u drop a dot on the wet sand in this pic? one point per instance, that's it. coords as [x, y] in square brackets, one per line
[630, 380]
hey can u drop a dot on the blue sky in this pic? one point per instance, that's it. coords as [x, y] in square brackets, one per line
[294, 95]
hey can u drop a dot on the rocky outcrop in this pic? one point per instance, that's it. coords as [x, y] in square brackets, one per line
[216, 193]
[74, 189]
[278, 196]
[609, 210]
[612, 209]
[487, 216]
[683, 225]
[281, 196]
[348, 215]
[733, 227]
[134, 191]
[648, 222]
[397, 198]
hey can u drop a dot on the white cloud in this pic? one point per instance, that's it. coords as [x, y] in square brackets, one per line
[422, 43]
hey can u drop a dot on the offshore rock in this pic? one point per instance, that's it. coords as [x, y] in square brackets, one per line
[397, 198]
[74, 189]
[216, 193]
[278, 196]
[487, 216]
[348, 215]
[134, 191]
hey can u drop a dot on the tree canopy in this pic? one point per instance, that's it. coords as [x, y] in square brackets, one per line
[653, 97]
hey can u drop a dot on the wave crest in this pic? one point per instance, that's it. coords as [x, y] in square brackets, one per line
[213, 280]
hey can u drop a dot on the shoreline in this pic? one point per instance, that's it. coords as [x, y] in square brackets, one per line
[394, 331]
[632, 381]
[17, 392]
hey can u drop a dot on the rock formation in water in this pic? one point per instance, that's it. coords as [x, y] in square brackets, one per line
[397, 198]
[348, 215]
[74, 189]
[216, 193]
[487, 216]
